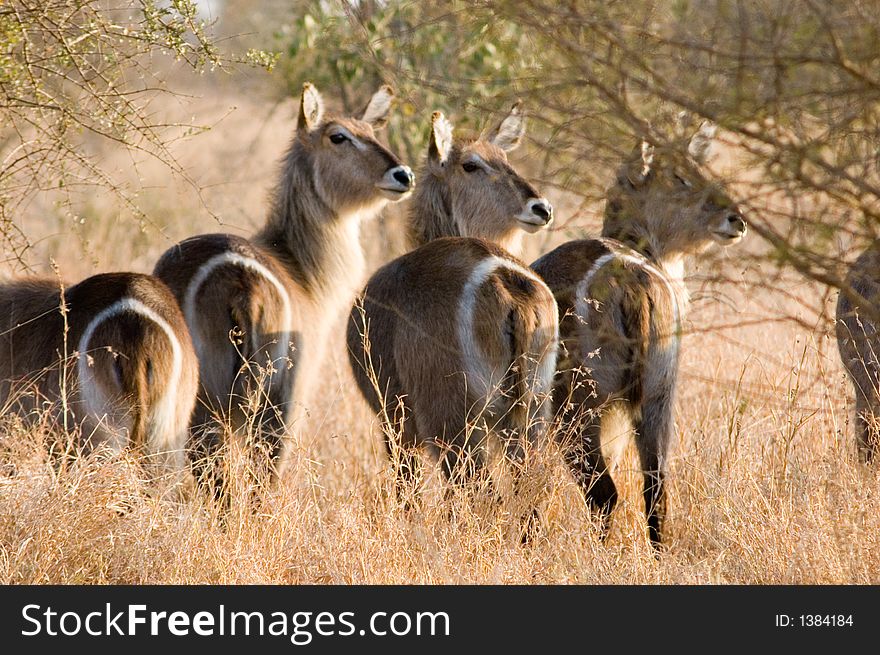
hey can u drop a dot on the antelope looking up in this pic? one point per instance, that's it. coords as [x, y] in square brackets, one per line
[622, 301]
[279, 293]
[457, 339]
[111, 356]
[859, 343]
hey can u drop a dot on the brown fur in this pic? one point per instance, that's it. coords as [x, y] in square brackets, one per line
[859, 344]
[258, 355]
[129, 357]
[405, 341]
[407, 320]
[620, 340]
[449, 202]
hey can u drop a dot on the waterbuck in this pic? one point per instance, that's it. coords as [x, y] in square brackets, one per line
[110, 356]
[622, 301]
[859, 345]
[456, 340]
[259, 310]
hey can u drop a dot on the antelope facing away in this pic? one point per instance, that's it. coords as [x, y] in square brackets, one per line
[110, 356]
[622, 301]
[859, 343]
[456, 340]
[277, 295]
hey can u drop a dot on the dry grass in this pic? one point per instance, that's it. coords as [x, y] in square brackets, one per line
[765, 486]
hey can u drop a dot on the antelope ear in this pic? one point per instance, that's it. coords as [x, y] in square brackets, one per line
[638, 165]
[311, 108]
[509, 132]
[440, 141]
[700, 144]
[647, 158]
[377, 110]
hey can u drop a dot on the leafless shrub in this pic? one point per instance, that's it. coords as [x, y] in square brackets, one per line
[78, 74]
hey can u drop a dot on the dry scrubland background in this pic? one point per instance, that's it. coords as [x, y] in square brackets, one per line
[764, 482]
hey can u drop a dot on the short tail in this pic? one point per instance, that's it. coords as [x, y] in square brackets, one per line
[136, 384]
[635, 322]
[534, 333]
[244, 337]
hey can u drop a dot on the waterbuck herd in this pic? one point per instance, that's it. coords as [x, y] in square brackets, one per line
[454, 344]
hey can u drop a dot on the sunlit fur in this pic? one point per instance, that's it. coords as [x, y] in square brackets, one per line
[622, 300]
[672, 213]
[259, 310]
[456, 340]
[477, 204]
[491, 202]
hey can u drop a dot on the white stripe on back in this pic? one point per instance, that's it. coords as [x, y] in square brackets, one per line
[582, 305]
[234, 259]
[481, 377]
[163, 418]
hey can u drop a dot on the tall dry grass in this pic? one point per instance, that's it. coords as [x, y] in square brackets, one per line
[765, 486]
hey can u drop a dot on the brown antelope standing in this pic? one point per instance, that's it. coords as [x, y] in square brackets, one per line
[859, 343]
[622, 300]
[456, 340]
[121, 356]
[279, 293]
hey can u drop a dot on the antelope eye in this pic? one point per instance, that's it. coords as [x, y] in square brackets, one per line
[469, 167]
[682, 180]
[338, 138]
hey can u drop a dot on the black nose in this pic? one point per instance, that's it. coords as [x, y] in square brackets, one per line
[542, 211]
[405, 177]
[737, 222]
